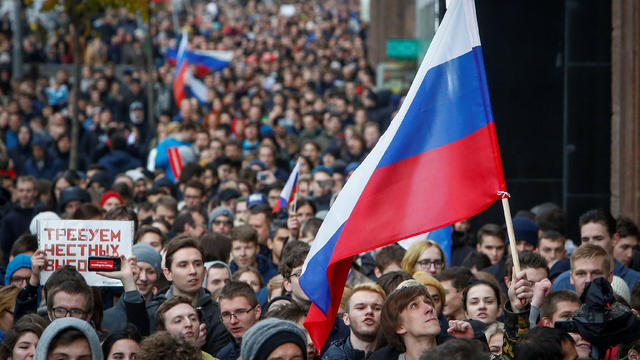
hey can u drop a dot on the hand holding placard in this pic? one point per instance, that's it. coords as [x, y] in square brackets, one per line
[126, 273]
[38, 260]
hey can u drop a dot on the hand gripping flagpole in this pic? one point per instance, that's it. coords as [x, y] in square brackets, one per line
[512, 236]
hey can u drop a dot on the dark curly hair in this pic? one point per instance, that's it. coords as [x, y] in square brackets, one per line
[163, 346]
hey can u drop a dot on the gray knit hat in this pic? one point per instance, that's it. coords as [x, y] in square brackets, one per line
[59, 325]
[146, 253]
[220, 211]
[266, 335]
[208, 265]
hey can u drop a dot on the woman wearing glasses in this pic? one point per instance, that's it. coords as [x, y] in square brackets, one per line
[424, 255]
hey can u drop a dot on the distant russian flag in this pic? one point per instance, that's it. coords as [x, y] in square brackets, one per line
[184, 78]
[206, 60]
[182, 67]
[289, 190]
[437, 163]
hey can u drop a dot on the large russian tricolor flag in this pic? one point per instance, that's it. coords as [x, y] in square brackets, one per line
[437, 163]
[289, 190]
[182, 68]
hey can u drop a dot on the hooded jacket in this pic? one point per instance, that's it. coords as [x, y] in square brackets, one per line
[59, 325]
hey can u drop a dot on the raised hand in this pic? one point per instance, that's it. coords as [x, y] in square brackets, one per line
[520, 291]
[38, 260]
[202, 337]
[540, 291]
[293, 224]
[126, 274]
[460, 328]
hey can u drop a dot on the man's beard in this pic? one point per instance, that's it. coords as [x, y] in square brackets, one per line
[365, 337]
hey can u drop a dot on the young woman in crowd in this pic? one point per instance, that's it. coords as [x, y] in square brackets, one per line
[20, 342]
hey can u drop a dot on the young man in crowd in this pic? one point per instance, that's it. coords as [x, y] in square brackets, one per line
[69, 339]
[560, 306]
[304, 209]
[194, 195]
[277, 243]
[260, 218]
[180, 319]
[388, 258]
[322, 187]
[274, 339]
[530, 262]
[589, 262]
[144, 280]
[526, 233]
[628, 240]
[291, 270]
[221, 220]
[71, 298]
[410, 323]
[491, 241]
[244, 252]
[191, 224]
[454, 280]
[362, 315]
[18, 271]
[185, 269]
[166, 208]
[551, 247]
[16, 221]
[537, 273]
[218, 275]
[598, 227]
[239, 310]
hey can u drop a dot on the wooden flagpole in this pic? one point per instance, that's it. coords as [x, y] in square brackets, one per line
[510, 232]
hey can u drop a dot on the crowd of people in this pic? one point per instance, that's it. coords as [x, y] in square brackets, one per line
[214, 272]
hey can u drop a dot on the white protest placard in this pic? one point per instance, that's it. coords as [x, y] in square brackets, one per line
[287, 10]
[72, 242]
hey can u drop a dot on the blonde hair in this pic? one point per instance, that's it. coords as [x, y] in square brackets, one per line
[366, 286]
[428, 280]
[591, 251]
[274, 284]
[344, 300]
[413, 254]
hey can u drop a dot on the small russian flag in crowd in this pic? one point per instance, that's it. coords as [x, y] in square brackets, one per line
[206, 60]
[184, 78]
[437, 163]
[182, 68]
[289, 190]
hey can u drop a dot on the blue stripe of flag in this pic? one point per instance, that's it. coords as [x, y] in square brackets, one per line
[436, 116]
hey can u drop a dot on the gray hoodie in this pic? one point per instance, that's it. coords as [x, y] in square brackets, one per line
[57, 326]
